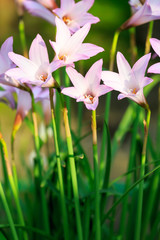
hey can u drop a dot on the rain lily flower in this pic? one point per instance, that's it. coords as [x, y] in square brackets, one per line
[155, 68]
[36, 9]
[74, 14]
[6, 93]
[6, 63]
[37, 69]
[130, 81]
[87, 89]
[69, 48]
[146, 11]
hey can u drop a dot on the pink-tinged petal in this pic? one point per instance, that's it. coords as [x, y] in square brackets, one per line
[92, 106]
[24, 103]
[140, 66]
[55, 46]
[89, 49]
[63, 34]
[67, 4]
[77, 79]
[26, 65]
[112, 79]
[74, 58]
[123, 67]
[59, 12]
[9, 81]
[103, 89]
[82, 7]
[143, 15]
[53, 66]
[16, 73]
[121, 96]
[75, 41]
[38, 10]
[155, 43]
[7, 47]
[87, 18]
[155, 68]
[145, 82]
[71, 92]
[38, 51]
[93, 76]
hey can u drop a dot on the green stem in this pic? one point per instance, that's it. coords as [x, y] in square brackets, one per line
[41, 189]
[9, 216]
[107, 107]
[133, 46]
[96, 177]
[12, 184]
[22, 36]
[129, 177]
[141, 185]
[73, 172]
[149, 35]
[60, 176]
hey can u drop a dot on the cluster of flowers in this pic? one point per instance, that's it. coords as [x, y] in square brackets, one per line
[19, 74]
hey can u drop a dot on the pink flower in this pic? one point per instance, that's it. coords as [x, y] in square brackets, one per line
[6, 63]
[6, 95]
[147, 12]
[130, 81]
[87, 89]
[74, 14]
[155, 43]
[36, 9]
[37, 69]
[69, 48]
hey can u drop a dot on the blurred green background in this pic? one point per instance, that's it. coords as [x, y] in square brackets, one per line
[112, 14]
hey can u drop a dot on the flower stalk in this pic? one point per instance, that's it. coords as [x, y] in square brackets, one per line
[73, 172]
[60, 176]
[96, 177]
[142, 173]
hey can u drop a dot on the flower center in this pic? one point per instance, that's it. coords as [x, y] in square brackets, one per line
[43, 77]
[66, 20]
[89, 97]
[133, 91]
[63, 57]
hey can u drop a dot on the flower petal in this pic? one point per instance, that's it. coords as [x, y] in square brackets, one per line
[82, 7]
[92, 106]
[26, 65]
[87, 18]
[112, 79]
[103, 89]
[67, 4]
[89, 49]
[75, 41]
[140, 66]
[155, 43]
[38, 51]
[123, 67]
[71, 92]
[146, 81]
[77, 79]
[63, 34]
[155, 68]
[38, 10]
[93, 76]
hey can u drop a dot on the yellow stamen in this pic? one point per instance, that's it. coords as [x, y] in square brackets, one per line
[66, 20]
[43, 77]
[134, 91]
